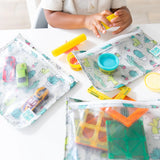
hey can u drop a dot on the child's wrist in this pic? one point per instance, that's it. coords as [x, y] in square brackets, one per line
[85, 21]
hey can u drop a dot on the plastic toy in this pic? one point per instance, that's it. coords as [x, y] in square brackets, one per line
[108, 62]
[152, 81]
[73, 62]
[126, 143]
[110, 17]
[98, 94]
[38, 97]
[70, 44]
[92, 131]
[127, 121]
[121, 95]
[9, 70]
[21, 75]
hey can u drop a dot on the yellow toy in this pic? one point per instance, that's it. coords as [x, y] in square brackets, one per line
[121, 95]
[127, 121]
[74, 64]
[70, 44]
[152, 81]
[92, 130]
[110, 17]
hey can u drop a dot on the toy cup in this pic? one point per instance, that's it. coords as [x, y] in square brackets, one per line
[108, 62]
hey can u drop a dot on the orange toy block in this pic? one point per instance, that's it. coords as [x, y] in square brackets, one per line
[127, 121]
[92, 131]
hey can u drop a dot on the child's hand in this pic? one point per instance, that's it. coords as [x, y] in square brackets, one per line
[123, 20]
[93, 22]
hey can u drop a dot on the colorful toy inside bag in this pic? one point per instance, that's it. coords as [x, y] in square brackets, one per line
[30, 82]
[91, 133]
[138, 54]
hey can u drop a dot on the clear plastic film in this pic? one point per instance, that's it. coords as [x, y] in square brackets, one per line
[112, 129]
[138, 54]
[30, 82]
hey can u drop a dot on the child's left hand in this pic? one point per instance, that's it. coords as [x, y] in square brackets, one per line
[123, 19]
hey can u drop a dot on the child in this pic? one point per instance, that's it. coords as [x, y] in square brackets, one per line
[75, 14]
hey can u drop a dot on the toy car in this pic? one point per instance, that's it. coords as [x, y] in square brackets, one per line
[9, 70]
[21, 75]
[36, 99]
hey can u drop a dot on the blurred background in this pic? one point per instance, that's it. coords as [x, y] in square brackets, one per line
[19, 14]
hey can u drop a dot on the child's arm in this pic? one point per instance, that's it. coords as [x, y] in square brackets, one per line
[70, 21]
[123, 19]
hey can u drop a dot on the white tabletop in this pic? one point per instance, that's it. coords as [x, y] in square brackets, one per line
[44, 140]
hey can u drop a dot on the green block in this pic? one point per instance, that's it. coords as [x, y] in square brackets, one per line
[126, 143]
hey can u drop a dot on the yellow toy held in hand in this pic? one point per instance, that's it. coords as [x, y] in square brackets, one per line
[110, 17]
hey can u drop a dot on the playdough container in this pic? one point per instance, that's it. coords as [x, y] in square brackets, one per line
[108, 62]
[152, 81]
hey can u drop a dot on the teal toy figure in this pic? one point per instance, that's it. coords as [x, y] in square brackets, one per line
[21, 75]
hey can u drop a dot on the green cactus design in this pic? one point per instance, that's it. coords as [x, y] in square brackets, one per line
[138, 53]
[95, 65]
[133, 73]
[10, 101]
[155, 154]
[66, 142]
[155, 129]
[107, 46]
[86, 63]
[136, 42]
[110, 78]
[154, 42]
[100, 80]
[146, 40]
[131, 61]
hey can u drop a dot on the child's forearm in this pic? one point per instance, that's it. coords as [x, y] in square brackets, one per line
[65, 20]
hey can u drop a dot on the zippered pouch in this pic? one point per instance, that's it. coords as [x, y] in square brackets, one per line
[112, 129]
[138, 54]
[30, 82]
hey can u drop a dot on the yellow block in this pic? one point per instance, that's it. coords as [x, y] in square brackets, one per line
[69, 45]
[110, 17]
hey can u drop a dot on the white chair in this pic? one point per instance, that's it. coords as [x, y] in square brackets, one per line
[36, 14]
[39, 20]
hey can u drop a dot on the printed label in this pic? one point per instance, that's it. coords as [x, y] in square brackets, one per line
[156, 50]
[28, 114]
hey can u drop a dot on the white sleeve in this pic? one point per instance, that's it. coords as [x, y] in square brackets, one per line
[118, 3]
[53, 5]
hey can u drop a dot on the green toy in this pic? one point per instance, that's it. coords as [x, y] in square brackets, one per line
[126, 143]
[21, 75]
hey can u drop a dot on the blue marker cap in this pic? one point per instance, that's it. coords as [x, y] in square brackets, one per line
[108, 62]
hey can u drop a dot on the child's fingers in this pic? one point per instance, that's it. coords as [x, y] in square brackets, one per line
[119, 12]
[105, 21]
[106, 13]
[100, 27]
[95, 31]
[117, 24]
[116, 19]
[118, 30]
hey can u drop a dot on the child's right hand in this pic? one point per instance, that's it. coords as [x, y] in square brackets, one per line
[93, 22]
